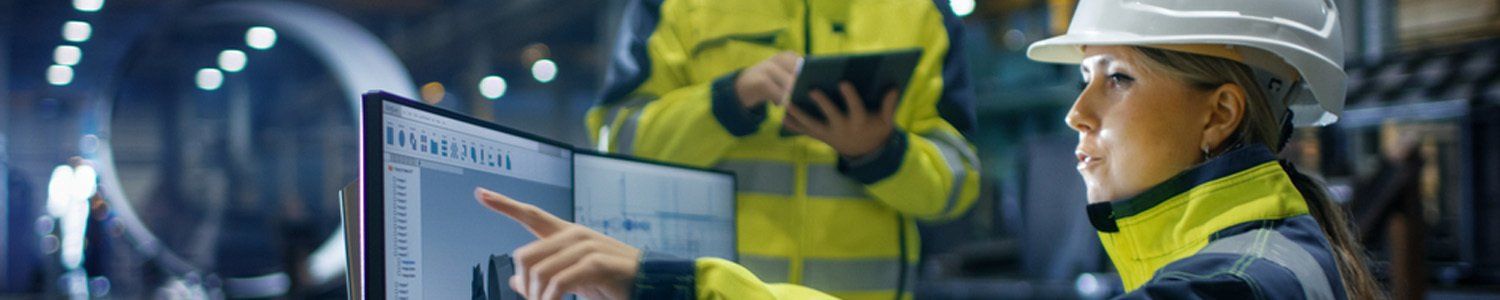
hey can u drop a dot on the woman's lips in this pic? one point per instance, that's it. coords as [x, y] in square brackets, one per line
[1086, 161]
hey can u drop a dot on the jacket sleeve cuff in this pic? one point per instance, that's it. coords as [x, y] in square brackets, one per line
[662, 276]
[879, 165]
[735, 118]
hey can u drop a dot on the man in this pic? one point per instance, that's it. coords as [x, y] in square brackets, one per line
[830, 205]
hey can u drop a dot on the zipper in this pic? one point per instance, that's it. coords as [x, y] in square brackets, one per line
[901, 260]
[802, 194]
[806, 27]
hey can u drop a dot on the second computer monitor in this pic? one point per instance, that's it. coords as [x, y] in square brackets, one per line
[681, 211]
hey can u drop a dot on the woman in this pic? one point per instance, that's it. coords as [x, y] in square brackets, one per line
[1183, 107]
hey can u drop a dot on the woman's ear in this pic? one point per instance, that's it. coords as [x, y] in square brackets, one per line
[1226, 111]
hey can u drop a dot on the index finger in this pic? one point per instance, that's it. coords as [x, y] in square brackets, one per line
[536, 220]
[857, 110]
[888, 107]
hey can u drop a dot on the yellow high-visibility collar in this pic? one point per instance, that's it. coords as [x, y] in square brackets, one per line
[1177, 218]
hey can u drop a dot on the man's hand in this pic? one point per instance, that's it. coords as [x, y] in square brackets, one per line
[854, 134]
[769, 80]
[566, 258]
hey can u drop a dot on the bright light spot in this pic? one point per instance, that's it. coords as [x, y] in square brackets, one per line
[232, 60]
[433, 92]
[962, 7]
[1089, 286]
[59, 75]
[60, 190]
[260, 37]
[492, 87]
[209, 79]
[544, 70]
[88, 5]
[77, 31]
[68, 194]
[67, 55]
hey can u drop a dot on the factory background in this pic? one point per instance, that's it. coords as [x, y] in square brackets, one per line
[220, 133]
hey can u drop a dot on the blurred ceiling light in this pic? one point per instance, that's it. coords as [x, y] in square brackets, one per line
[59, 75]
[962, 8]
[67, 55]
[260, 37]
[88, 5]
[232, 60]
[492, 87]
[209, 79]
[433, 92]
[77, 31]
[544, 70]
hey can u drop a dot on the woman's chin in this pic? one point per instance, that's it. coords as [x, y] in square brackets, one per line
[1097, 194]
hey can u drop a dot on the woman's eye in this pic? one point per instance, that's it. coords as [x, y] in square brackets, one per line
[1121, 78]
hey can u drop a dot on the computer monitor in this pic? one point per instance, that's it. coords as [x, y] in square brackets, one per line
[426, 237]
[677, 210]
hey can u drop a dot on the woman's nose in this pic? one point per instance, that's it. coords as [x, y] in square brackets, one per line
[1080, 117]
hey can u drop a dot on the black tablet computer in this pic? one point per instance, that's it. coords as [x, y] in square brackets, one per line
[872, 74]
[425, 235]
[666, 208]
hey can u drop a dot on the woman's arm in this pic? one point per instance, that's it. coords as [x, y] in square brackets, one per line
[568, 258]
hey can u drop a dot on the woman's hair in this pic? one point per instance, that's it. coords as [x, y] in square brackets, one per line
[1260, 127]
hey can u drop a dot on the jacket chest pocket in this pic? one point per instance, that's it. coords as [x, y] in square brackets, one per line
[724, 42]
[885, 25]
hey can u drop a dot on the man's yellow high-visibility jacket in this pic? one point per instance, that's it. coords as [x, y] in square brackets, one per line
[805, 216]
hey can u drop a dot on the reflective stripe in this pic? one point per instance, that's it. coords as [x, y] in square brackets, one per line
[625, 140]
[1276, 248]
[836, 275]
[779, 178]
[604, 137]
[953, 149]
[769, 269]
[761, 176]
[827, 181]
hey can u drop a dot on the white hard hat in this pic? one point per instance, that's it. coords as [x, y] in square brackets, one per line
[1267, 35]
